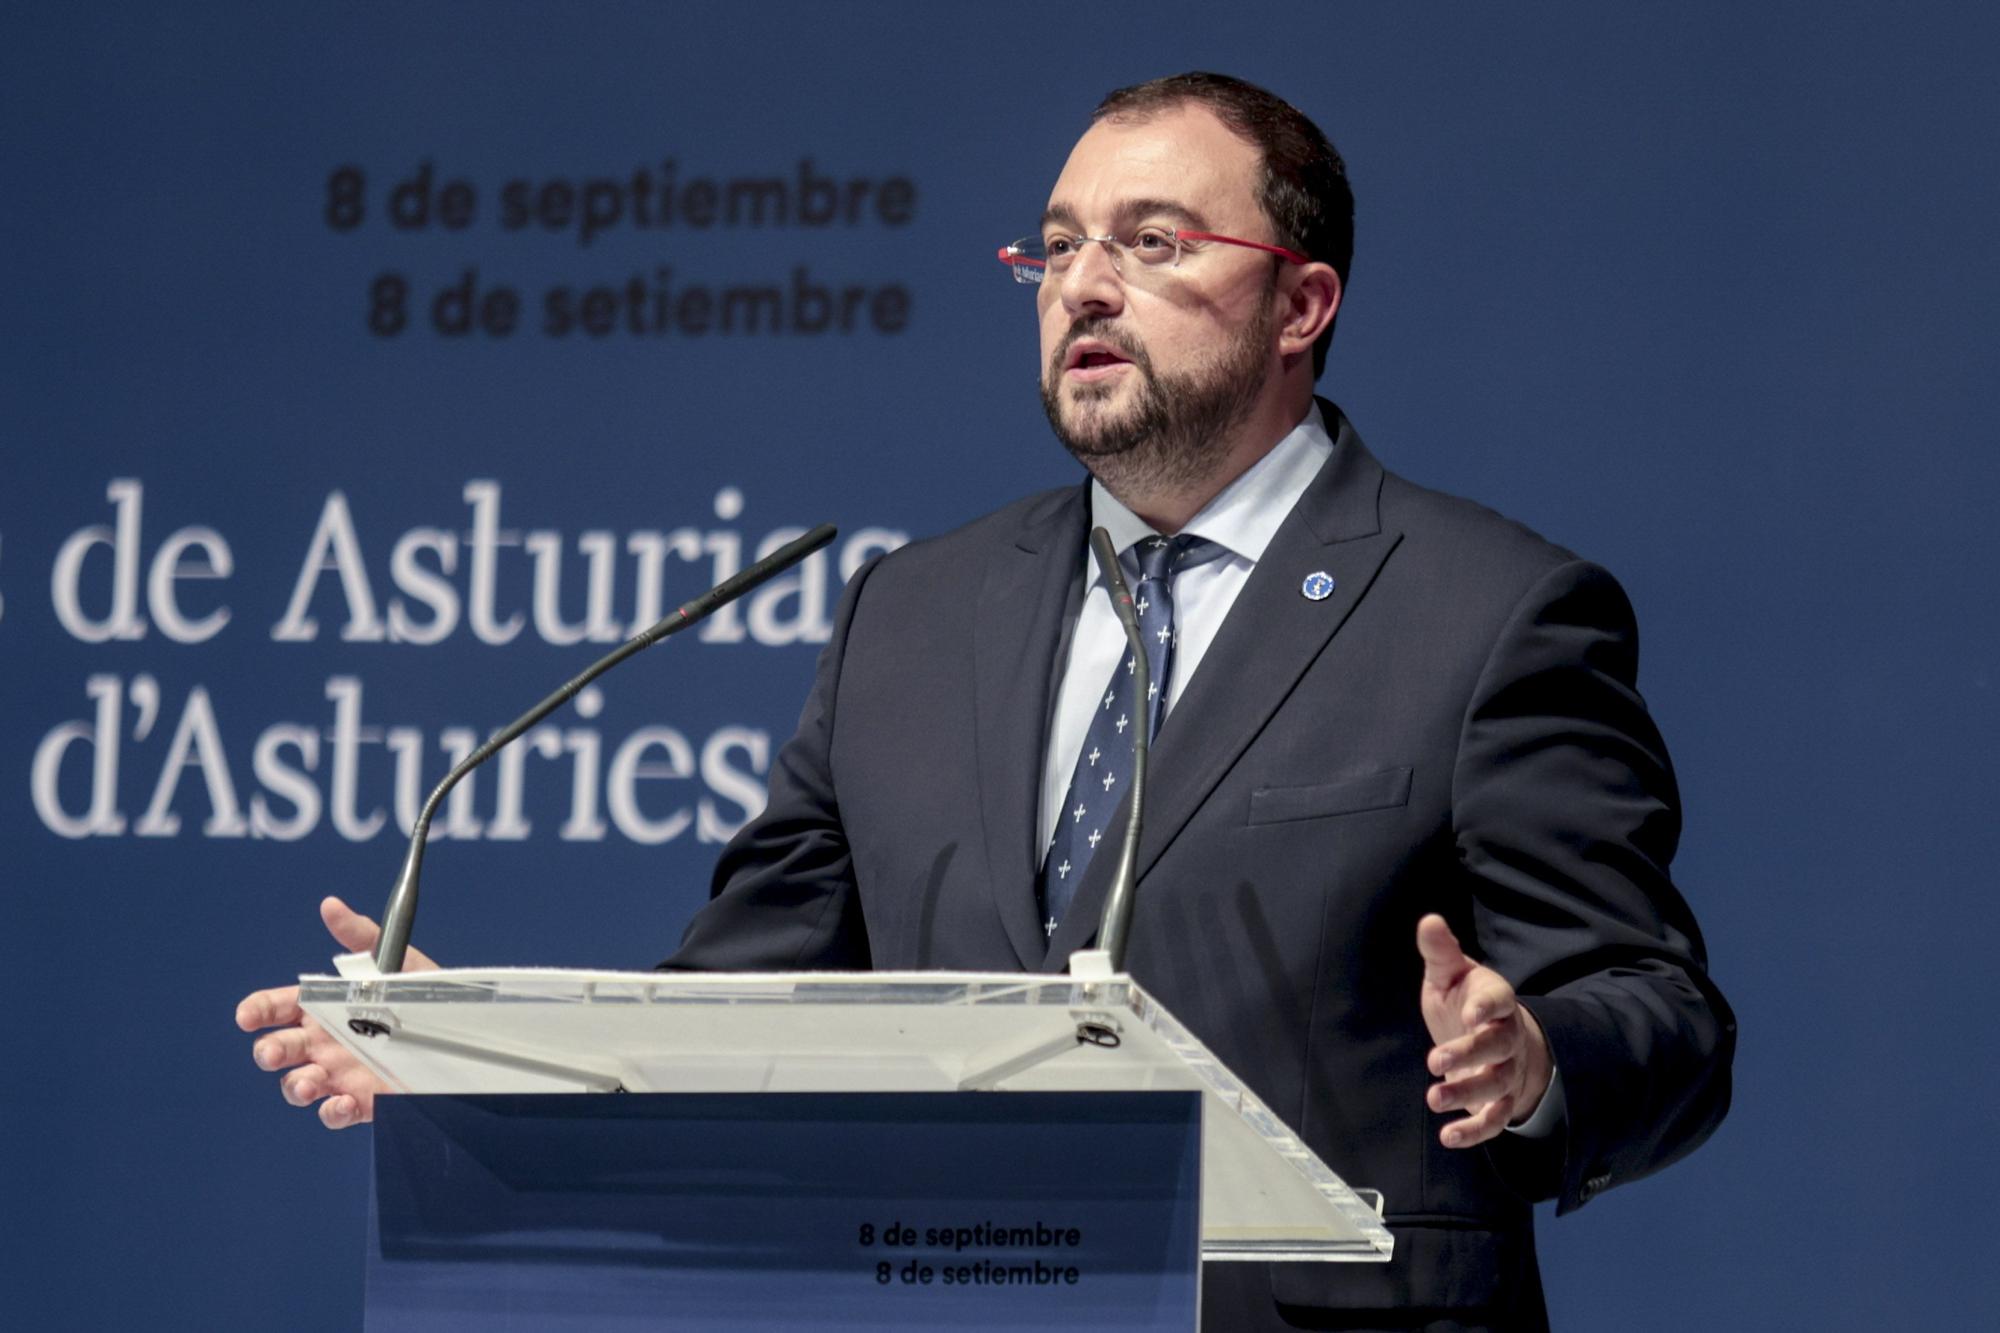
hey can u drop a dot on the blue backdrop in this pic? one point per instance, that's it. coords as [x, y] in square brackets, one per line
[364, 369]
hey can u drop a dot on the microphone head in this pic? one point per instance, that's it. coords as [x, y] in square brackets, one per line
[1114, 582]
[1107, 560]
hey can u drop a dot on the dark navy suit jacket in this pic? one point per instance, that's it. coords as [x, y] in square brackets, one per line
[1456, 729]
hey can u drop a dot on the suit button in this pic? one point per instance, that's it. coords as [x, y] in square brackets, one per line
[1592, 1187]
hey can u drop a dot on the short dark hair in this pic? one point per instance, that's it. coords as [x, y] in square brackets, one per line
[1304, 190]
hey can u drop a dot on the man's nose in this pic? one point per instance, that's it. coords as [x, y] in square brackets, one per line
[1092, 282]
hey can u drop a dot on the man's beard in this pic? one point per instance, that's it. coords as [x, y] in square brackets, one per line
[1176, 433]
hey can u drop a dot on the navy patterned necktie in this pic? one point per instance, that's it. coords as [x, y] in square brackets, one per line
[1104, 767]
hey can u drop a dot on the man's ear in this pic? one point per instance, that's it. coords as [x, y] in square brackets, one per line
[1313, 301]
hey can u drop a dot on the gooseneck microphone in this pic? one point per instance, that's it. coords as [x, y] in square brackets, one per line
[400, 915]
[1117, 920]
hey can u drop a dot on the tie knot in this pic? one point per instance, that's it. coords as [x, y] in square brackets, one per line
[1161, 557]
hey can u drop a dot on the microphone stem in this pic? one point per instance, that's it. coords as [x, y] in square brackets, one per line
[1116, 923]
[401, 913]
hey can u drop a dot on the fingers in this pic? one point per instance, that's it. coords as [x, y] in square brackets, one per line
[1482, 1072]
[357, 934]
[1476, 1087]
[346, 1109]
[1444, 961]
[353, 931]
[1489, 1043]
[282, 1050]
[277, 1007]
[1481, 1125]
[348, 1088]
[303, 1086]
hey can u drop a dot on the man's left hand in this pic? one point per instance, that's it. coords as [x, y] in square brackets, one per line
[1491, 1057]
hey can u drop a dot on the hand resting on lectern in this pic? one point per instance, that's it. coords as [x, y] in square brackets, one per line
[322, 1070]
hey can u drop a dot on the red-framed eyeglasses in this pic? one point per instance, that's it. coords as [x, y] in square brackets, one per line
[1152, 249]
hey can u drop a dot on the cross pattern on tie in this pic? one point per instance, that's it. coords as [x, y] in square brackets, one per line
[1103, 767]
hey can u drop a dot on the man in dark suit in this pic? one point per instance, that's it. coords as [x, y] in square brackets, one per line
[1388, 721]
[1408, 720]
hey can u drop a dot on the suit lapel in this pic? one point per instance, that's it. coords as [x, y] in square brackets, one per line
[1018, 626]
[1272, 634]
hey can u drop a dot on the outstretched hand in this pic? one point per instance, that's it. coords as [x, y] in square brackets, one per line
[1491, 1056]
[322, 1070]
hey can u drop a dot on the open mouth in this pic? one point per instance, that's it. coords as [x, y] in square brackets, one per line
[1089, 358]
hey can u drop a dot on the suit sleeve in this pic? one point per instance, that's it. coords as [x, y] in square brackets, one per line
[783, 896]
[1566, 814]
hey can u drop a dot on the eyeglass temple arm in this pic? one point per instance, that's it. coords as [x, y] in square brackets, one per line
[1279, 250]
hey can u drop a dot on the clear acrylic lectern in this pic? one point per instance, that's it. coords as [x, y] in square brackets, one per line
[1264, 1194]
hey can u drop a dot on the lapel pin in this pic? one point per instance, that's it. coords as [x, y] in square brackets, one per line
[1318, 586]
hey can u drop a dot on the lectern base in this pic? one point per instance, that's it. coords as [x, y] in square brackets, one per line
[749, 1211]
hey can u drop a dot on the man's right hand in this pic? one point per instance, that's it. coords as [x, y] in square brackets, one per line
[320, 1066]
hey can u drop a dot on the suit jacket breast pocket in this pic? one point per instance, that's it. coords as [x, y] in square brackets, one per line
[1351, 793]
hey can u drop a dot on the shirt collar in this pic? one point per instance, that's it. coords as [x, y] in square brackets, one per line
[1245, 515]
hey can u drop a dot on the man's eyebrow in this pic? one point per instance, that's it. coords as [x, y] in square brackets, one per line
[1134, 209]
[1062, 215]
